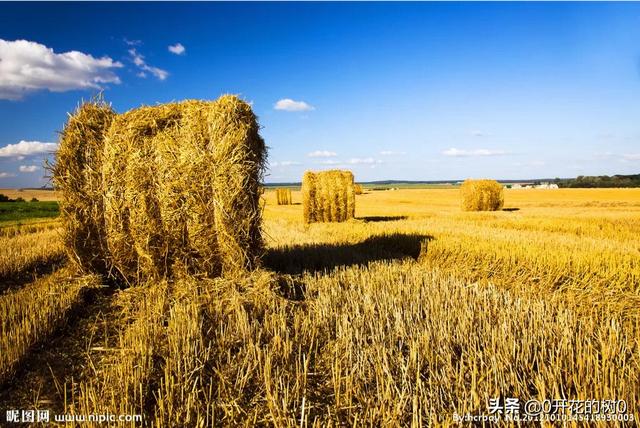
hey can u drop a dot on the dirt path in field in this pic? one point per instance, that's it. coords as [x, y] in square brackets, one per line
[46, 378]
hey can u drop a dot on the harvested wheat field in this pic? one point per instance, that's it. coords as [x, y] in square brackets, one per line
[410, 314]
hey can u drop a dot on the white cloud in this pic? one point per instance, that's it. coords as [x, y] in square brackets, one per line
[177, 49]
[477, 133]
[27, 67]
[285, 163]
[331, 162]
[476, 152]
[132, 42]
[391, 153]
[322, 154]
[26, 148]
[6, 175]
[365, 161]
[138, 60]
[631, 156]
[353, 161]
[28, 168]
[287, 104]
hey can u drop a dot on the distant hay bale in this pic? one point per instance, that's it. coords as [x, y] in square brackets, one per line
[182, 189]
[77, 175]
[328, 196]
[482, 195]
[283, 196]
[358, 189]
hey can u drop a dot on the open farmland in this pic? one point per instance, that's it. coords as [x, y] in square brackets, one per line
[405, 315]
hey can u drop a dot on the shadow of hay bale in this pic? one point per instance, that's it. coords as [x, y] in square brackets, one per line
[376, 219]
[325, 257]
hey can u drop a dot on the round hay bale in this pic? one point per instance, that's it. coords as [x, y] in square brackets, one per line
[77, 176]
[328, 196]
[482, 195]
[182, 189]
[283, 196]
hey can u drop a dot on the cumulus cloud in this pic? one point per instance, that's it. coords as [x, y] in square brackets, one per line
[28, 168]
[27, 67]
[476, 152]
[6, 175]
[391, 153]
[177, 49]
[287, 104]
[631, 156]
[26, 148]
[138, 60]
[285, 163]
[322, 154]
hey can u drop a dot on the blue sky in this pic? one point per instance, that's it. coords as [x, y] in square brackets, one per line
[419, 91]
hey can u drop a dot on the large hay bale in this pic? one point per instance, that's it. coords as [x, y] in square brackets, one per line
[182, 189]
[359, 190]
[482, 195]
[77, 175]
[328, 196]
[283, 196]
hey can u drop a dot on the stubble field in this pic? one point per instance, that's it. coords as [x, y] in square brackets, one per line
[406, 315]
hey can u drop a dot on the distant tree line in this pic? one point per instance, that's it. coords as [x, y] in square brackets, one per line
[5, 198]
[583, 181]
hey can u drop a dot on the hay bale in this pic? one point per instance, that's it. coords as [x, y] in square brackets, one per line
[328, 196]
[308, 191]
[283, 196]
[77, 176]
[482, 195]
[182, 189]
[358, 189]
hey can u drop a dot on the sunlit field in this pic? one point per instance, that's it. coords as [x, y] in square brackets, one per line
[408, 314]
